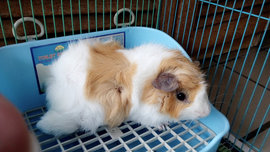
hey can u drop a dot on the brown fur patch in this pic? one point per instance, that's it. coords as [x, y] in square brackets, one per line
[189, 80]
[109, 81]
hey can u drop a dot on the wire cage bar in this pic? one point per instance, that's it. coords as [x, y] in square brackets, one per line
[229, 38]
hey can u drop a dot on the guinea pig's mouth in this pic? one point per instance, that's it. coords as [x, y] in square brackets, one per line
[195, 113]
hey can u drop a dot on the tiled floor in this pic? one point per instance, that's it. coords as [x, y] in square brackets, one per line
[237, 104]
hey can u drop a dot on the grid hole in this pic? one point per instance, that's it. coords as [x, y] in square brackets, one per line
[186, 136]
[113, 144]
[174, 142]
[161, 149]
[179, 130]
[141, 149]
[182, 148]
[49, 143]
[92, 144]
[128, 137]
[147, 137]
[141, 131]
[200, 147]
[87, 138]
[193, 142]
[154, 143]
[134, 144]
[166, 136]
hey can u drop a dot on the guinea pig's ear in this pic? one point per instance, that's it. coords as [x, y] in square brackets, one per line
[166, 82]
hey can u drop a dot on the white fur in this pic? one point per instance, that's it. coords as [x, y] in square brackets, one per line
[199, 108]
[69, 110]
[148, 58]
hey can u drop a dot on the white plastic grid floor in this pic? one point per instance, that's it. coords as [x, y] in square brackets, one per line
[187, 136]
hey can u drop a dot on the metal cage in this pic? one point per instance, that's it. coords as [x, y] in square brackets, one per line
[229, 38]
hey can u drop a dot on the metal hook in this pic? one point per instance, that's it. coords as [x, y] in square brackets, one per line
[120, 11]
[30, 37]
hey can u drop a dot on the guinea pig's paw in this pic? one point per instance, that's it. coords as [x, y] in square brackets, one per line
[47, 126]
[163, 127]
[44, 127]
[57, 124]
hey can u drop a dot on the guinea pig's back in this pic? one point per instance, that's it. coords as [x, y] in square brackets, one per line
[67, 76]
[72, 64]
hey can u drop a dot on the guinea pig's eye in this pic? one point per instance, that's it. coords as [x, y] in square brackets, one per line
[181, 96]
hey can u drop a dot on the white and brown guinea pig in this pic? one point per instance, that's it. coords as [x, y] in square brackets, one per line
[104, 84]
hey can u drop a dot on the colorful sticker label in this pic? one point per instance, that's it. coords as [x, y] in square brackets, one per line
[43, 56]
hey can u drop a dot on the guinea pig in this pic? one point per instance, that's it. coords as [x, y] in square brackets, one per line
[96, 84]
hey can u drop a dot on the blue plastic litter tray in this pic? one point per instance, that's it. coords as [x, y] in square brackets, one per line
[21, 83]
